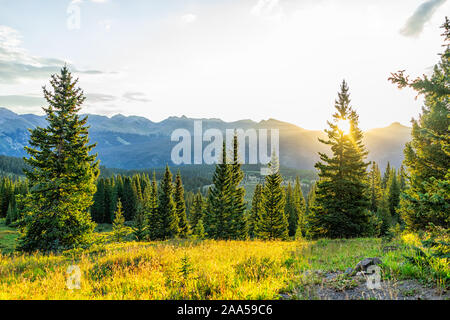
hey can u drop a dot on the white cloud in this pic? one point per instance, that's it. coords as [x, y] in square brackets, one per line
[415, 23]
[16, 63]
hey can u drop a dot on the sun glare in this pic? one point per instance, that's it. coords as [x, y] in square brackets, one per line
[343, 125]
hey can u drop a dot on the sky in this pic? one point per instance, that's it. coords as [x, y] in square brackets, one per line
[227, 59]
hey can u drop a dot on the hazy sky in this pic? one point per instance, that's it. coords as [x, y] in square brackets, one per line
[234, 59]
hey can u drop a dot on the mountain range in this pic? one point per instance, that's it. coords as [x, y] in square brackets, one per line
[132, 142]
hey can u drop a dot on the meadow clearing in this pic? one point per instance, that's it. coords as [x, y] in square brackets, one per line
[209, 269]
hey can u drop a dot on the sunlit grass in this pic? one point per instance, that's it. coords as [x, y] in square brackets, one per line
[184, 269]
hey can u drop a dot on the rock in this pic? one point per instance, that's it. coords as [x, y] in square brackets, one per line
[364, 264]
[285, 296]
[348, 271]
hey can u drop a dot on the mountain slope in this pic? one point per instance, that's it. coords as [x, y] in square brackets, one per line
[136, 142]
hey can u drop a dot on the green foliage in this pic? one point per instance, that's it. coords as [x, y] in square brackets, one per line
[225, 216]
[427, 156]
[140, 225]
[433, 254]
[219, 200]
[393, 192]
[197, 210]
[199, 230]
[120, 231]
[256, 211]
[166, 219]
[11, 215]
[62, 173]
[180, 207]
[375, 187]
[238, 228]
[273, 223]
[386, 176]
[340, 207]
[186, 268]
[151, 208]
[295, 208]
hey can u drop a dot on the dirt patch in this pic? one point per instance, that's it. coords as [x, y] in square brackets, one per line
[340, 286]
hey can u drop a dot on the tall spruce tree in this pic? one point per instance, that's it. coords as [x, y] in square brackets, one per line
[219, 200]
[375, 190]
[130, 198]
[340, 208]
[402, 179]
[98, 207]
[119, 231]
[197, 210]
[256, 211]
[273, 223]
[290, 209]
[393, 194]
[110, 200]
[139, 223]
[299, 219]
[427, 156]
[180, 207]
[167, 218]
[238, 225]
[62, 173]
[386, 176]
[151, 208]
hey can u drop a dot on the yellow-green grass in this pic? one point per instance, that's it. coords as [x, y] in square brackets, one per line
[218, 269]
[195, 269]
[8, 238]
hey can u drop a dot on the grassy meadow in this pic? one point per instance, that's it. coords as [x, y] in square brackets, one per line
[188, 269]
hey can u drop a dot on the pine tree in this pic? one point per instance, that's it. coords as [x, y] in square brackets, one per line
[256, 211]
[98, 207]
[119, 231]
[311, 197]
[403, 184]
[197, 210]
[110, 200]
[237, 223]
[219, 200]
[62, 173]
[273, 223]
[393, 192]
[427, 156]
[180, 207]
[11, 215]
[298, 220]
[375, 189]
[139, 225]
[151, 208]
[167, 216]
[386, 176]
[340, 208]
[290, 210]
[130, 198]
[199, 230]
[136, 180]
[6, 195]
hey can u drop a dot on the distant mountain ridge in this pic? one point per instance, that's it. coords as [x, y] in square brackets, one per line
[135, 142]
